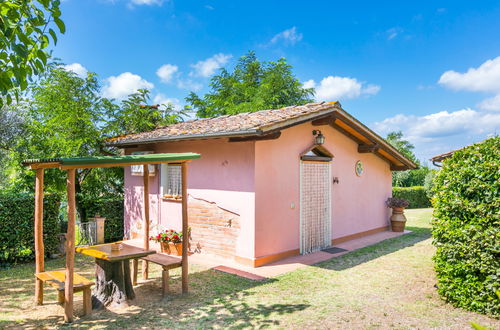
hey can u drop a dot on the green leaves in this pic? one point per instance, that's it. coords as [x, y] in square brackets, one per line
[466, 228]
[252, 86]
[135, 116]
[416, 195]
[16, 226]
[23, 38]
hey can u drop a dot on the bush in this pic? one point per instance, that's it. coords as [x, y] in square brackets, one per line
[466, 228]
[109, 207]
[429, 183]
[17, 226]
[415, 195]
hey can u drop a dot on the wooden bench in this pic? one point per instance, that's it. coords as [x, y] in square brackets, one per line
[167, 262]
[56, 279]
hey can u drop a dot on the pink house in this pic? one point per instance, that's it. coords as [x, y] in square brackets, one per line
[269, 184]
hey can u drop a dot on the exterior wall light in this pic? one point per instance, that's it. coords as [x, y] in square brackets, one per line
[319, 137]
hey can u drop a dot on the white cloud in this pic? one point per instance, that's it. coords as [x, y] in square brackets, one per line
[208, 67]
[485, 78]
[162, 99]
[189, 84]
[146, 2]
[492, 103]
[119, 87]
[393, 32]
[77, 68]
[166, 72]
[290, 36]
[442, 131]
[335, 88]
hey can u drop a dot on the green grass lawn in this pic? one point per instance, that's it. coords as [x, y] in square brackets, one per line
[387, 285]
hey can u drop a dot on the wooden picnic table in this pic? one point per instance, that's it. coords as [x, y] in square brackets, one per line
[113, 282]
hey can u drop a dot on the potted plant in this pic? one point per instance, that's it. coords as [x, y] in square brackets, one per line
[398, 219]
[175, 242]
[170, 242]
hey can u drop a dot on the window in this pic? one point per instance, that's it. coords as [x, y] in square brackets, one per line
[171, 181]
[137, 170]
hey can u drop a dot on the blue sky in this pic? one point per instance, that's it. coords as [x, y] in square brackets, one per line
[429, 68]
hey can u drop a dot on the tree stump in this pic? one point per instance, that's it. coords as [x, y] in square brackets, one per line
[113, 285]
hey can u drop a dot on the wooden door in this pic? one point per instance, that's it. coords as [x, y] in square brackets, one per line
[315, 206]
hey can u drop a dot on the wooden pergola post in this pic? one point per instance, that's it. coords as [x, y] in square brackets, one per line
[39, 247]
[185, 229]
[70, 247]
[145, 264]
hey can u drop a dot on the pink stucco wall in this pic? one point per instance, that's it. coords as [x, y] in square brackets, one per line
[259, 181]
[224, 175]
[357, 202]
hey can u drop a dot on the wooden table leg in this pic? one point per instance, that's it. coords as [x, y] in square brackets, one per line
[113, 284]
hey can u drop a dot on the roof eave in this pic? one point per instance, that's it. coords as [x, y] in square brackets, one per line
[185, 137]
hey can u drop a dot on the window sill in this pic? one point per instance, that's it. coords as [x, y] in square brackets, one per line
[171, 199]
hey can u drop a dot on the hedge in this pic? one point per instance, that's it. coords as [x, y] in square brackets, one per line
[417, 196]
[17, 242]
[109, 207]
[466, 228]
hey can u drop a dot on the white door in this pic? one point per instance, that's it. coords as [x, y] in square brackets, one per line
[315, 206]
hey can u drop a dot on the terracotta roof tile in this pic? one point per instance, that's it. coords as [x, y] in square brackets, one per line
[228, 125]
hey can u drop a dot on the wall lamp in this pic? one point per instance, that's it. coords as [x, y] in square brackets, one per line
[319, 138]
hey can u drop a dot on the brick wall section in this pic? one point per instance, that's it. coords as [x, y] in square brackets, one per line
[213, 230]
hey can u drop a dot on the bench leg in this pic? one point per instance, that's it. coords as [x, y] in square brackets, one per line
[39, 292]
[60, 297]
[145, 268]
[164, 282]
[135, 266]
[87, 301]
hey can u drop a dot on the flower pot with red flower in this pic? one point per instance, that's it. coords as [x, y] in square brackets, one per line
[170, 242]
[162, 239]
[398, 219]
[175, 243]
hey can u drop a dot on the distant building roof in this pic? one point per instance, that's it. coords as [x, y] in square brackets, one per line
[441, 157]
[266, 122]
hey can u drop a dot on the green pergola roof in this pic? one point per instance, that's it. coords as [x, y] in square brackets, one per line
[108, 161]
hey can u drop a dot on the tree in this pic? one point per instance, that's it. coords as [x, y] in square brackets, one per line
[252, 86]
[408, 178]
[134, 115]
[11, 129]
[66, 116]
[404, 146]
[24, 34]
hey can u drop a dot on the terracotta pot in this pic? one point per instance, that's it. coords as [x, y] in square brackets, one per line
[175, 249]
[398, 219]
[165, 248]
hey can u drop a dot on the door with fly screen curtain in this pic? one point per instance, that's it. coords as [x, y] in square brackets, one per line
[315, 206]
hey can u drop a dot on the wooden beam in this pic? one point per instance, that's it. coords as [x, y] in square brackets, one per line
[36, 166]
[145, 264]
[68, 167]
[365, 148]
[323, 121]
[185, 229]
[70, 247]
[39, 248]
[398, 168]
[271, 136]
[346, 133]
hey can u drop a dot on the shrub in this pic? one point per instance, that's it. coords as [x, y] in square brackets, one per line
[466, 228]
[17, 226]
[109, 207]
[416, 196]
[429, 183]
